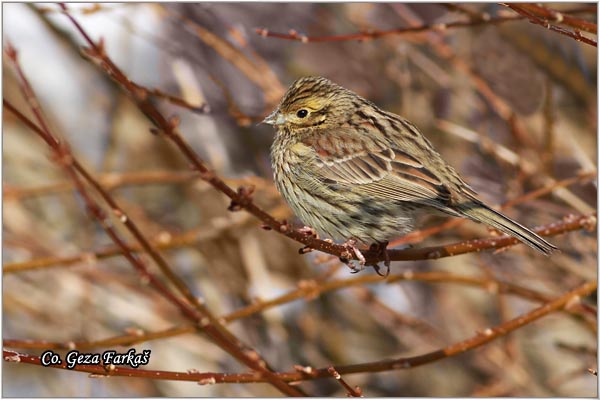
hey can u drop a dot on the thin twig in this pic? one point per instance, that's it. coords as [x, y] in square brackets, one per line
[240, 199]
[350, 391]
[560, 17]
[308, 373]
[535, 19]
[374, 34]
[419, 235]
[310, 290]
[193, 236]
[201, 315]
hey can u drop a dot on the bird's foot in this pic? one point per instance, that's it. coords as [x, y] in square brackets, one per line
[380, 249]
[349, 253]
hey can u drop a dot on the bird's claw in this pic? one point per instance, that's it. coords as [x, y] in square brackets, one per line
[349, 253]
[381, 250]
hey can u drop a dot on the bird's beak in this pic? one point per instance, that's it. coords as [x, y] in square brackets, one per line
[275, 118]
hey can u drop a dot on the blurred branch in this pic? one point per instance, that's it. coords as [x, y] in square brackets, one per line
[194, 236]
[396, 320]
[310, 290]
[198, 313]
[560, 17]
[420, 234]
[93, 9]
[507, 155]
[241, 199]
[257, 70]
[473, 15]
[109, 181]
[308, 373]
[115, 180]
[537, 15]
[178, 101]
[374, 34]
[549, 123]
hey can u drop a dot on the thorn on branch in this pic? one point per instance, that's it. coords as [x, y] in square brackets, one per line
[110, 368]
[310, 288]
[62, 156]
[351, 392]
[12, 357]
[139, 93]
[262, 32]
[558, 17]
[284, 227]
[311, 233]
[207, 175]
[174, 121]
[590, 223]
[207, 381]
[120, 215]
[310, 371]
[305, 250]
[244, 197]
[308, 231]
[11, 52]
[101, 48]
[203, 108]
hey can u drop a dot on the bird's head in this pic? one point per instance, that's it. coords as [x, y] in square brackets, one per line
[312, 102]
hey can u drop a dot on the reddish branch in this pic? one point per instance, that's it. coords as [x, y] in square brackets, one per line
[350, 391]
[531, 14]
[372, 257]
[560, 17]
[240, 199]
[307, 373]
[374, 34]
[190, 237]
[169, 129]
[197, 312]
[309, 290]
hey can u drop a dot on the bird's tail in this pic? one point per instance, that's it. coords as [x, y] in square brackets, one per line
[481, 213]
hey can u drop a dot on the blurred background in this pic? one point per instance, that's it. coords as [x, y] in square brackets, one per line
[512, 106]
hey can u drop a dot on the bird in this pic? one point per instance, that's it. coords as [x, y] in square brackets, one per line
[353, 171]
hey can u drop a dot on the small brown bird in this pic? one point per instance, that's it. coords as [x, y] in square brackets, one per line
[355, 172]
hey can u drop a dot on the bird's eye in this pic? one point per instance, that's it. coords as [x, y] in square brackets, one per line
[302, 113]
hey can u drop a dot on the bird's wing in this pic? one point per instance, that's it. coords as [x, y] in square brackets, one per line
[381, 171]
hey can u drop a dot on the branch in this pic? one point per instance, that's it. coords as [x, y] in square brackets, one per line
[375, 34]
[308, 290]
[350, 391]
[535, 19]
[193, 236]
[309, 373]
[484, 19]
[240, 198]
[560, 17]
[199, 314]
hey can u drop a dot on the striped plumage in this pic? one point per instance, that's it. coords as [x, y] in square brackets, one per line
[353, 171]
